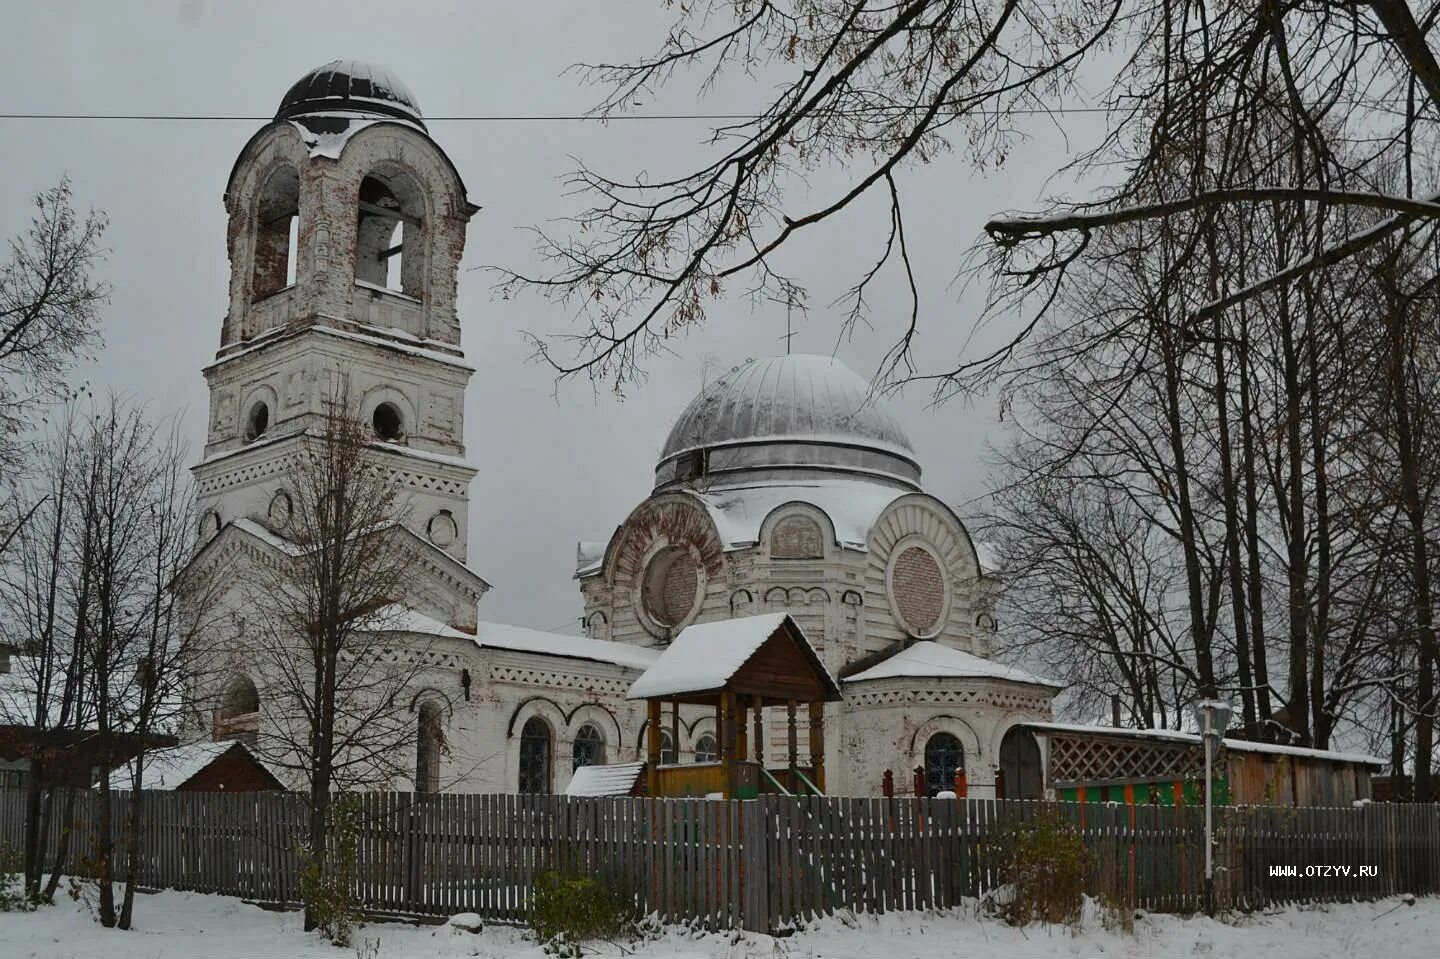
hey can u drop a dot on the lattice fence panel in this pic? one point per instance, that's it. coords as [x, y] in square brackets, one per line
[1075, 759]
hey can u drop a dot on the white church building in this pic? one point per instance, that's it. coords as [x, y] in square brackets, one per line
[785, 485]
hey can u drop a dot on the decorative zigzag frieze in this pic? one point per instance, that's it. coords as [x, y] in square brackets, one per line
[556, 680]
[409, 656]
[273, 467]
[949, 697]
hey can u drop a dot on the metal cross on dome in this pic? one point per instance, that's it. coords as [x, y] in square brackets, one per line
[789, 333]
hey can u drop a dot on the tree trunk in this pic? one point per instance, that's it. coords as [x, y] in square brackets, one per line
[1322, 723]
[62, 848]
[1292, 501]
[1231, 497]
[1407, 436]
[1259, 654]
[104, 848]
[134, 840]
[34, 795]
[1200, 635]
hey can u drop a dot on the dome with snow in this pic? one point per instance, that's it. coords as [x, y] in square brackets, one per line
[787, 417]
[352, 86]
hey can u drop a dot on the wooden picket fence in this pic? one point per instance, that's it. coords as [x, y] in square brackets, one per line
[763, 864]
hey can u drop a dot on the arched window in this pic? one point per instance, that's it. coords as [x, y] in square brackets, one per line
[429, 743]
[389, 237]
[258, 420]
[943, 756]
[705, 749]
[667, 748]
[595, 626]
[239, 714]
[535, 757]
[387, 421]
[589, 747]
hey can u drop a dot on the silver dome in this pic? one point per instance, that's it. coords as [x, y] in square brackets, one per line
[786, 417]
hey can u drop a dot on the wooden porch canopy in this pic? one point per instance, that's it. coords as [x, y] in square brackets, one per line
[738, 667]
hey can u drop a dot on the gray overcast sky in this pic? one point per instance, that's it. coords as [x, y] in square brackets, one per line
[555, 467]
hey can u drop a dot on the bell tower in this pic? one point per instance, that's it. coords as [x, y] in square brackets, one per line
[346, 227]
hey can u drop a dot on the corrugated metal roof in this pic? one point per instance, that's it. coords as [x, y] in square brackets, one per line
[617, 779]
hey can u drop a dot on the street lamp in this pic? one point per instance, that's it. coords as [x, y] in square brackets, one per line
[1212, 716]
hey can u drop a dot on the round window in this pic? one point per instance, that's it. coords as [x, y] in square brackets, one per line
[918, 588]
[671, 584]
[387, 422]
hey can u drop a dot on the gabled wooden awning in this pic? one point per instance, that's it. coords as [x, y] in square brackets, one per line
[767, 659]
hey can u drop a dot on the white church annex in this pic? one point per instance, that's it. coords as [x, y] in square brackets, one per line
[784, 486]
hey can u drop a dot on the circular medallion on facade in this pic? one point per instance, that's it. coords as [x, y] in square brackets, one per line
[442, 529]
[281, 509]
[670, 587]
[917, 587]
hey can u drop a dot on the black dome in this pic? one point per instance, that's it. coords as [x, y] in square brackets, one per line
[352, 86]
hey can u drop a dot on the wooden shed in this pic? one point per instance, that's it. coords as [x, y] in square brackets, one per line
[738, 667]
[1167, 767]
[209, 767]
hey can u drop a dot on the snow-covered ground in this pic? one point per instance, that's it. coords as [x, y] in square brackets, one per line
[193, 926]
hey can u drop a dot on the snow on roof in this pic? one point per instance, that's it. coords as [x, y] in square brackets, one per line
[852, 506]
[588, 556]
[173, 767]
[419, 454]
[268, 537]
[738, 512]
[1235, 745]
[520, 639]
[387, 343]
[290, 547]
[617, 779]
[932, 660]
[329, 137]
[387, 338]
[705, 656]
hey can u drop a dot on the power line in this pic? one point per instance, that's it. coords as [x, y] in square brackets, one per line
[564, 117]
[483, 118]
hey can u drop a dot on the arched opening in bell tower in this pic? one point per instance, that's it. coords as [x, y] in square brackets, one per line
[277, 220]
[389, 239]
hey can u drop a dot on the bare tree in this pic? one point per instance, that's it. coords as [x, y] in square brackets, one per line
[875, 87]
[42, 589]
[89, 598]
[168, 652]
[50, 305]
[134, 508]
[334, 677]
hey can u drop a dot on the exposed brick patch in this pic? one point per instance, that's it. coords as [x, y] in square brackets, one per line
[681, 584]
[796, 537]
[919, 589]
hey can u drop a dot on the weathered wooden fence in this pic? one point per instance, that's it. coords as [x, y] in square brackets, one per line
[761, 864]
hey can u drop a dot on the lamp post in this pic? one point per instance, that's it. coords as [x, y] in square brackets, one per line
[1212, 716]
